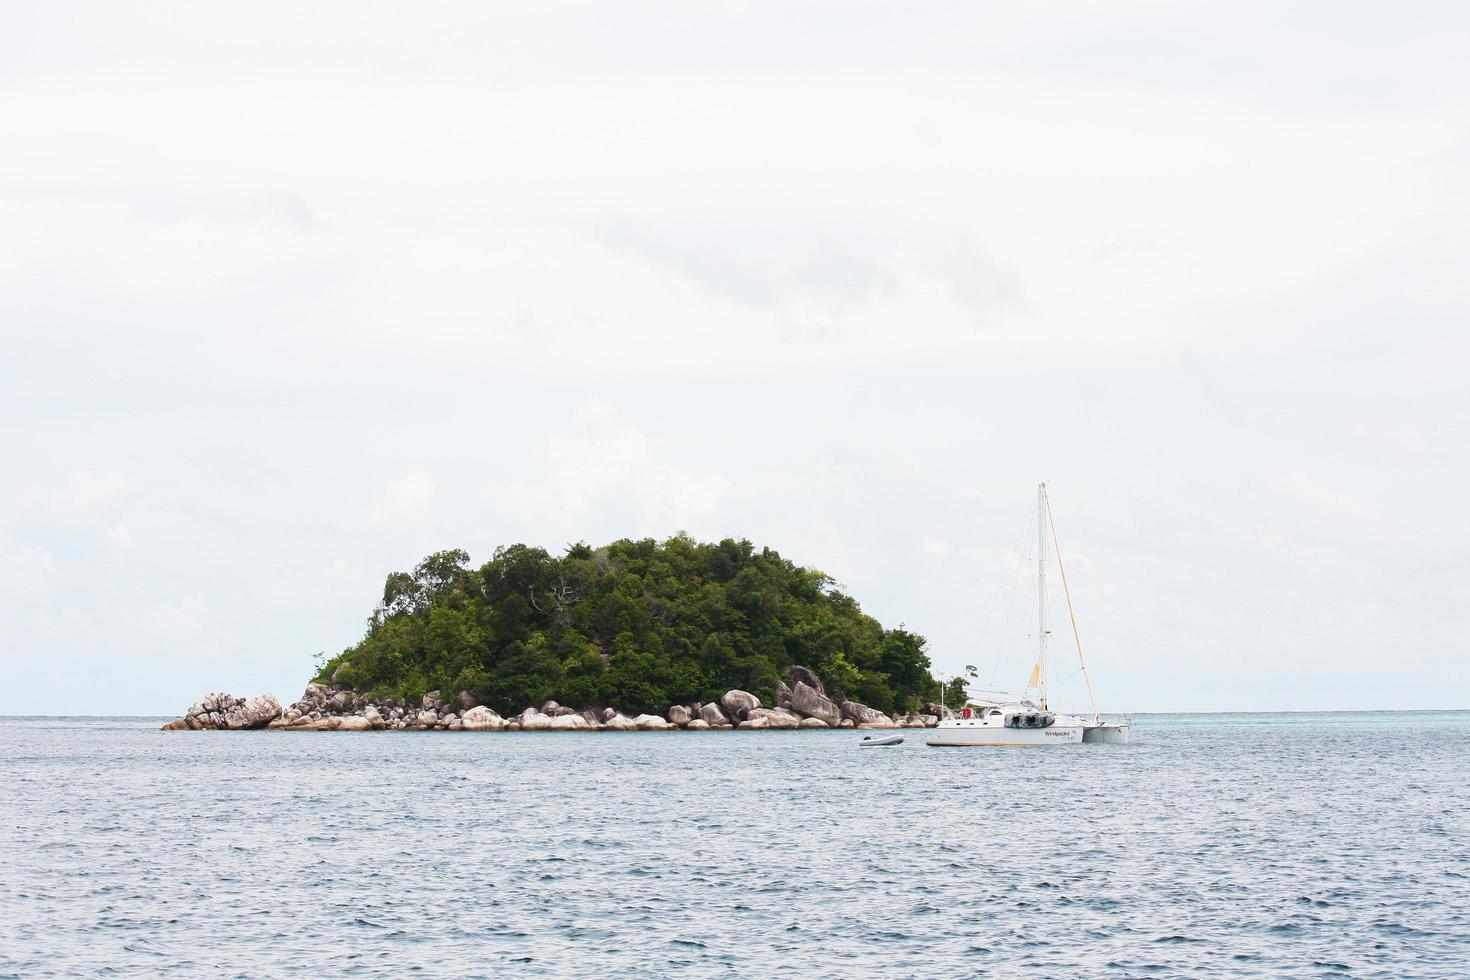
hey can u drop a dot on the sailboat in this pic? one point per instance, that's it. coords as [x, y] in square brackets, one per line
[1026, 719]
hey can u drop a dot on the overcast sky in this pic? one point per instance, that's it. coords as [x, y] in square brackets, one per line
[293, 294]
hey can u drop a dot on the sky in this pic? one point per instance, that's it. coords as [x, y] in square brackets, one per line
[292, 295]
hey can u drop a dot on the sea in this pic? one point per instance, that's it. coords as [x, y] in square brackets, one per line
[1213, 845]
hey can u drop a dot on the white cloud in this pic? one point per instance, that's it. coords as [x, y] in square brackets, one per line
[25, 570]
[411, 491]
[483, 278]
[688, 242]
[181, 619]
[619, 473]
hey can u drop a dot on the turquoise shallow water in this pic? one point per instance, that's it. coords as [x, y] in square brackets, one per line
[1219, 845]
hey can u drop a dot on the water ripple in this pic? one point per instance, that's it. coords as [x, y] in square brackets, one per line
[1215, 845]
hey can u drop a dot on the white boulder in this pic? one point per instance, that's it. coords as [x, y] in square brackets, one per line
[481, 719]
[534, 721]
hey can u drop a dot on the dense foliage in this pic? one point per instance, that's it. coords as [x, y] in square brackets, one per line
[639, 625]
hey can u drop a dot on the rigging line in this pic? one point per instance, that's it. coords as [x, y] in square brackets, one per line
[995, 600]
[1007, 641]
[1067, 591]
[1015, 583]
[1068, 678]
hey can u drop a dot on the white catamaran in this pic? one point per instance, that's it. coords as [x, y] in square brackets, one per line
[1025, 720]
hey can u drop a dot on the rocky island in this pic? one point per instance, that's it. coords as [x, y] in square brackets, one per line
[646, 635]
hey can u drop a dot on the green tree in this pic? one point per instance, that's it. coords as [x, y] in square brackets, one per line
[639, 624]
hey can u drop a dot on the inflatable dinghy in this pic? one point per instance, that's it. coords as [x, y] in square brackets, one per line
[873, 741]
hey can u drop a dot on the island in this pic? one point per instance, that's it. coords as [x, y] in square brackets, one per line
[640, 634]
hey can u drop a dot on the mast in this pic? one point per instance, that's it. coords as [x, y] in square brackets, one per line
[1041, 589]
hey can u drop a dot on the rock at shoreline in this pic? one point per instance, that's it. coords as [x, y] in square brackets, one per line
[227, 712]
[862, 714]
[807, 697]
[534, 721]
[807, 676]
[775, 717]
[737, 703]
[807, 700]
[783, 695]
[801, 704]
[482, 719]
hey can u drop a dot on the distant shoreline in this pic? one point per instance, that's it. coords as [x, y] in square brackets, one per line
[163, 717]
[802, 704]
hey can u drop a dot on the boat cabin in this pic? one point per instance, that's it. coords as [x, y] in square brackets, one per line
[1006, 716]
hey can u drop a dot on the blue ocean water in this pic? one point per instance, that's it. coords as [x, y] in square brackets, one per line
[1220, 845]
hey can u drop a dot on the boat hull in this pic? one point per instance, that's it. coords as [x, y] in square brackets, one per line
[1108, 733]
[871, 742]
[960, 733]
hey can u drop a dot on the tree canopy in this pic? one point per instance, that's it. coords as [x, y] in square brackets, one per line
[639, 625]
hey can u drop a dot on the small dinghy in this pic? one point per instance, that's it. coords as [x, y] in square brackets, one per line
[873, 741]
